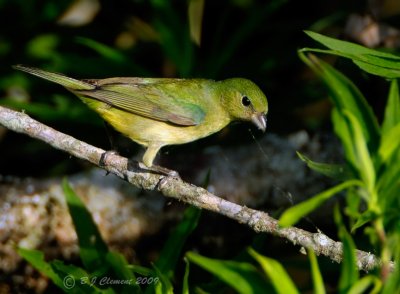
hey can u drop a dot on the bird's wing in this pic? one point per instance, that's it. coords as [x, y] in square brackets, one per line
[148, 100]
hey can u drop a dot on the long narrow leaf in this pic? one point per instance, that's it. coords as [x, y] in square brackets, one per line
[371, 64]
[365, 164]
[348, 47]
[378, 70]
[185, 285]
[92, 248]
[318, 282]
[390, 143]
[295, 213]
[392, 110]
[364, 284]
[164, 281]
[342, 130]
[346, 96]
[335, 171]
[119, 267]
[280, 279]
[77, 280]
[242, 277]
[36, 259]
[171, 251]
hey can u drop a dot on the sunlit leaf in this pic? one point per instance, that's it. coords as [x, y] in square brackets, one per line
[392, 110]
[242, 277]
[77, 280]
[346, 96]
[364, 161]
[335, 171]
[378, 70]
[364, 285]
[318, 282]
[390, 143]
[185, 285]
[293, 214]
[164, 282]
[348, 47]
[280, 279]
[364, 218]
[36, 259]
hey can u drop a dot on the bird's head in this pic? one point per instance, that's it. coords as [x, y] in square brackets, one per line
[244, 100]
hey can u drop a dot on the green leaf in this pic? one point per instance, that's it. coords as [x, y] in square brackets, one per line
[185, 285]
[342, 130]
[171, 251]
[364, 218]
[364, 162]
[295, 213]
[43, 46]
[378, 70]
[346, 96]
[93, 250]
[36, 259]
[77, 280]
[119, 268]
[349, 273]
[103, 50]
[364, 284]
[388, 183]
[371, 64]
[195, 12]
[390, 142]
[372, 61]
[242, 277]
[392, 110]
[348, 47]
[274, 270]
[165, 283]
[392, 284]
[144, 271]
[318, 282]
[335, 171]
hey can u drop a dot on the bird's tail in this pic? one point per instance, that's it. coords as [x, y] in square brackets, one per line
[65, 81]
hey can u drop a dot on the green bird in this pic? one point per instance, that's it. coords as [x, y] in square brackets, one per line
[156, 112]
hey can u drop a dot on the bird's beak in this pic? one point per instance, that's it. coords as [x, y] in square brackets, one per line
[260, 120]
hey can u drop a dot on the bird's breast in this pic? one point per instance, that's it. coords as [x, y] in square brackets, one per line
[145, 130]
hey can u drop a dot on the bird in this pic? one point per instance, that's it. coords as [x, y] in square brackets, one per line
[156, 112]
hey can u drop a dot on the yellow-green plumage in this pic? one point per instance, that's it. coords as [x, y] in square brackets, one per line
[155, 112]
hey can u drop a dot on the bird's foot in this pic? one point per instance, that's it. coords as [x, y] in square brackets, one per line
[159, 170]
[167, 173]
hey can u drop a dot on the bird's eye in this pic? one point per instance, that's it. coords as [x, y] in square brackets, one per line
[246, 101]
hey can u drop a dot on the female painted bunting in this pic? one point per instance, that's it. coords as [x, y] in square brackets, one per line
[156, 112]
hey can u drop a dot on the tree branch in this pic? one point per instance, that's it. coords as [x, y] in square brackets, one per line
[175, 188]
